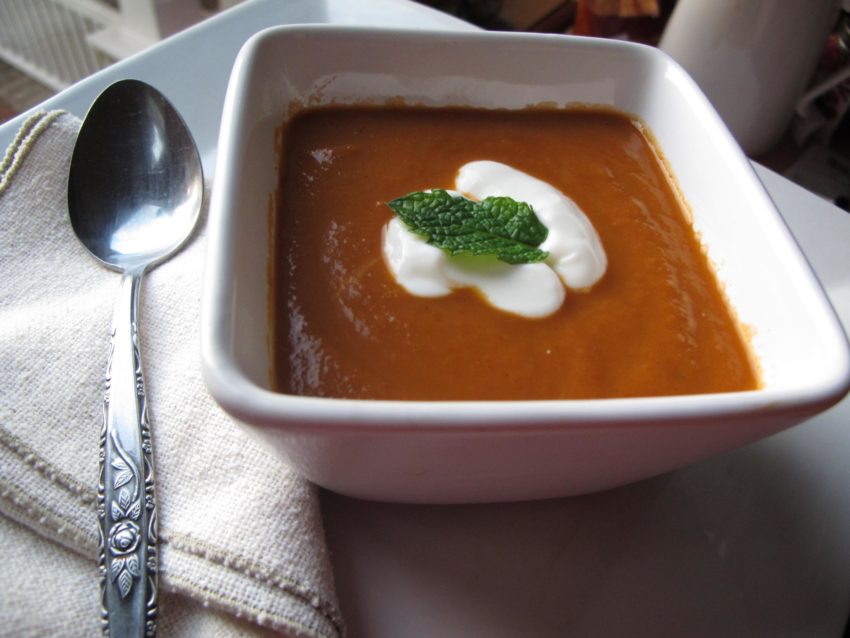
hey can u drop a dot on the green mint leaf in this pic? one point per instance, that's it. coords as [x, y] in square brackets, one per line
[497, 226]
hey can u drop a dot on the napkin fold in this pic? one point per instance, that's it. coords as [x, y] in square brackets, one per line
[240, 534]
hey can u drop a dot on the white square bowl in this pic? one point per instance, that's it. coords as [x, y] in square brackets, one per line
[490, 451]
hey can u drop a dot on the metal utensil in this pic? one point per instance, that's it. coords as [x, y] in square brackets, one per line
[134, 196]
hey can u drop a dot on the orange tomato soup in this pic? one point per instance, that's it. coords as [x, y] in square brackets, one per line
[656, 324]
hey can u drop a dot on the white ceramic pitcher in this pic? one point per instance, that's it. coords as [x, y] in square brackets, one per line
[752, 58]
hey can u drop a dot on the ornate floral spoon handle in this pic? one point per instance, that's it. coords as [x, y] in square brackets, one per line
[126, 505]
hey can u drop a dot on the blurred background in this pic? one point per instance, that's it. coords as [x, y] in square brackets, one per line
[47, 45]
[778, 72]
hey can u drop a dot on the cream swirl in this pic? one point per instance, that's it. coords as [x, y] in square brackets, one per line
[576, 258]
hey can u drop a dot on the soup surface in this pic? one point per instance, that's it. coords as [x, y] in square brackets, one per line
[656, 323]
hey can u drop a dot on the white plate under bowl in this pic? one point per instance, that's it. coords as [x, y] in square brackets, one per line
[490, 451]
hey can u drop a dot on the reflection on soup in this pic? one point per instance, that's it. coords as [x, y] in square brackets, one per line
[655, 324]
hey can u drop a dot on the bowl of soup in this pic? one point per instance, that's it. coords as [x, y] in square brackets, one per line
[469, 267]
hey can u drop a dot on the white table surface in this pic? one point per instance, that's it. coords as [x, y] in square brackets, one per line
[755, 542]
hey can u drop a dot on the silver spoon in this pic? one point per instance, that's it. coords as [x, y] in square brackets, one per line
[134, 196]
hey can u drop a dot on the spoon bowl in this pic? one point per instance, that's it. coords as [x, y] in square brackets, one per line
[136, 182]
[135, 189]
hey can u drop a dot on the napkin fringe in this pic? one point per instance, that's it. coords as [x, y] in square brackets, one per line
[258, 572]
[26, 137]
[24, 505]
[45, 468]
[241, 609]
[19, 506]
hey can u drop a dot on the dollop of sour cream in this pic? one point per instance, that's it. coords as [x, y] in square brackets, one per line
[576, 258]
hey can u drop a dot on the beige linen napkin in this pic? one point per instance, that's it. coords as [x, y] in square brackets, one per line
[240, 535]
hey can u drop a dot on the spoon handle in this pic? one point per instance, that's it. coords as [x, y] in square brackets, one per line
[126, 505]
